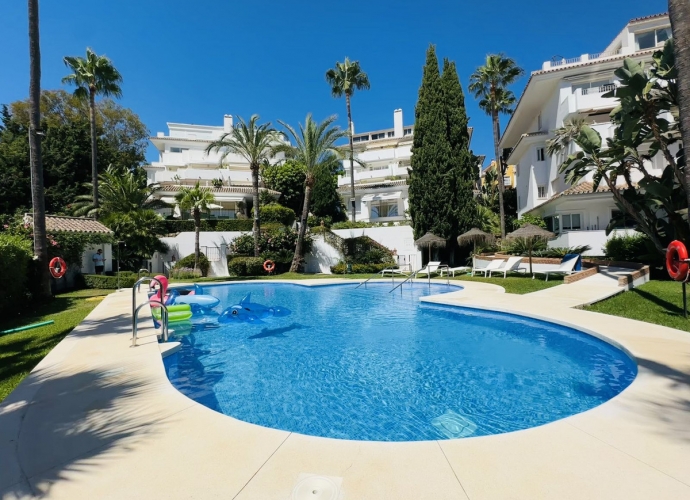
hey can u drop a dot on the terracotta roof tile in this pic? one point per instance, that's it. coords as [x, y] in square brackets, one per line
[645, 18]
[65, 224]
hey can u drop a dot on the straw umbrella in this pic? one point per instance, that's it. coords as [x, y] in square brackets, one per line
[531, 233]
[430, 240]
[475, 236]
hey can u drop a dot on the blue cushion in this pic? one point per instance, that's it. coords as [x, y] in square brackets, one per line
[578, 264]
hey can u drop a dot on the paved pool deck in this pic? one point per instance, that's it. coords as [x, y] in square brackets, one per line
[98, 419]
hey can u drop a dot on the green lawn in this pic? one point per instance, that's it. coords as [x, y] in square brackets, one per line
[21, 351]
[659, 302]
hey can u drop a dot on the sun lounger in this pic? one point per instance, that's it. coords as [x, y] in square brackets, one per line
[430, 268]
[395, 272]
[494, 265]
[566, 268]
[453, 270]
[512, 266]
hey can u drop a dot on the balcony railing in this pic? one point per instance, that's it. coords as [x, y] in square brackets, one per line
[598, 90]
[580, 59]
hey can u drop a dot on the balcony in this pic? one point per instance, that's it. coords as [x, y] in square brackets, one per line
[374, 173]
[560, 63]
[205, 176]
[585, 99]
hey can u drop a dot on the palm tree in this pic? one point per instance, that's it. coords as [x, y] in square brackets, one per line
[196, 200]
[38, 201]
[119, 191]
[565, 135]
[253, 142]
[92, 76]
[315, 149]
[345, 78]
[490, 85]
[679, 12]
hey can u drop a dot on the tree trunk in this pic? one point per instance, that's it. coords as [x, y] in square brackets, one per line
[302, 228]
[352, 159]
[197, 227]
[37, 198]
[256, 229]
[94, 149]
[679, 12]
[499, 172]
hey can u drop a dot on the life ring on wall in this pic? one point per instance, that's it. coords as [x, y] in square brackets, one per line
[677, 261]
[269, 266]
[58, 267]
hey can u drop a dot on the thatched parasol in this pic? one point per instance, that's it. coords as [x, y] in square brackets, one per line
[475, 236]
[430, 240]
[531, 233]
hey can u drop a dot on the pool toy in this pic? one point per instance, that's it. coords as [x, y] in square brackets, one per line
[27, 327]
[250, 312]
[57, 267]
[192, 298]
[181, 312]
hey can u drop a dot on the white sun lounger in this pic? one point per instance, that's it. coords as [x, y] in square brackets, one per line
[512, 266]
[453, 270]
[431, 267]
[566, 268]
[494, 265]
[394, 272]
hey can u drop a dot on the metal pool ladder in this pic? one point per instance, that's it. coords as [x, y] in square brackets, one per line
[414, 275]
[135, 310]
[375, 275]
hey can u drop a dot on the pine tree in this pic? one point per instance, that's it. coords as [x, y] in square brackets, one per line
[443, 168]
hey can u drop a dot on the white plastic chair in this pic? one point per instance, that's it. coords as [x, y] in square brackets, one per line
[494, 265]
[512, 266]
[431, 267]
[566, 268]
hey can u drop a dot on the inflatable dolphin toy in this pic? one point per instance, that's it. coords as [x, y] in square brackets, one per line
[250, 312]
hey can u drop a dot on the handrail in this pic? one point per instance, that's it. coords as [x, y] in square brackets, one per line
[139, 272]
[414, 275]
[164, 320]
[135, 288]
[411, 276]
[376, 274]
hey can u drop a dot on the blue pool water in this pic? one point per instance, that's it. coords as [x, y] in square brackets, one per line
[366, 364]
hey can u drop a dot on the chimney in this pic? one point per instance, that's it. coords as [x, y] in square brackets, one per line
[227, 123]
[397, 123]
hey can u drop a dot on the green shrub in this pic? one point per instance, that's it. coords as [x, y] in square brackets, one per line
[274, 212]
[633, 248]
[185, 273]
[341, 268]
[246, 266]
[535, 220]
[178, 226]
[15, 256]
[127, 280]
[520, 246]
[561, 251]
[272, 240]
[351, 225]
[315, 222]
[188, 262]
[234, 225]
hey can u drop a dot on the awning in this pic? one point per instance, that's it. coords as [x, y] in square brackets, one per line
[382, 196]
[169, 200]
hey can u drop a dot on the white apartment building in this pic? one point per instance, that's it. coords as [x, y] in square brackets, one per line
[381, 192]
[562, 89]
[183, 161]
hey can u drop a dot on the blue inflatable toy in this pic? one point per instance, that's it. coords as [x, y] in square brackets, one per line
[250, 312]
[194, 297]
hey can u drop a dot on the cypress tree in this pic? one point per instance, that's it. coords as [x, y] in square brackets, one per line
[443, 168]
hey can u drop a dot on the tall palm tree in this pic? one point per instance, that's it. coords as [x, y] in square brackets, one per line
[253, 142]
[315, 149]
[345, 78]
[679, 12]
[37, 198]
[490, 85]
[119, 191]
[92, 76]
[196, 200]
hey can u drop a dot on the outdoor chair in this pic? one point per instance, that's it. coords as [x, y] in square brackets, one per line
[430, 268]
[512, 266]
[494, 265]
[567, 267]
[453, 270]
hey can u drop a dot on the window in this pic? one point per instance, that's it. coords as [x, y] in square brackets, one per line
[651, 39]
[622, 221]
[540, 154]
[541, 192]
[374, 137]
[570, 222]
[360, 138]
[391, 134]
[175, 150]
[408, 131]
[552, 223]
[384, 209]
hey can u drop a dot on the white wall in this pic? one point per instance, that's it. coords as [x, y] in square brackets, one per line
[87, 266]
[321, 257]
[183, 245]
[398, 238]
[595, 239]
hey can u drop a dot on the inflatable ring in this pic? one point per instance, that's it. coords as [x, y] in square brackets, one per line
[269, 266]
[677, 261]
[58, 267]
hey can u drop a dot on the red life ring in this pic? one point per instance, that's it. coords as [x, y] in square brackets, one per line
[677, 261]
[58, 267]
[269, 266]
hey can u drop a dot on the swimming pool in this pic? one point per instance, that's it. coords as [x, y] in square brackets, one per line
[365, 364]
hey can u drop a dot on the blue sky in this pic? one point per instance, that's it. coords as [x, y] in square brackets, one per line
[192, 62]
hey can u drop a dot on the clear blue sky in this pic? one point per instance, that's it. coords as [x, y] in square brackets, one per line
[192, 62]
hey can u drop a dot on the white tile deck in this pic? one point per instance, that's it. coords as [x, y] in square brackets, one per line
[98, 419]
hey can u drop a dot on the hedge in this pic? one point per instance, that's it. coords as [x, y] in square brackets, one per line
[274, 212]
[246, 266]
[127, 280]
[631, 248]
[179, 226]
[188, 262]
[341, 268]
[15, 256]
